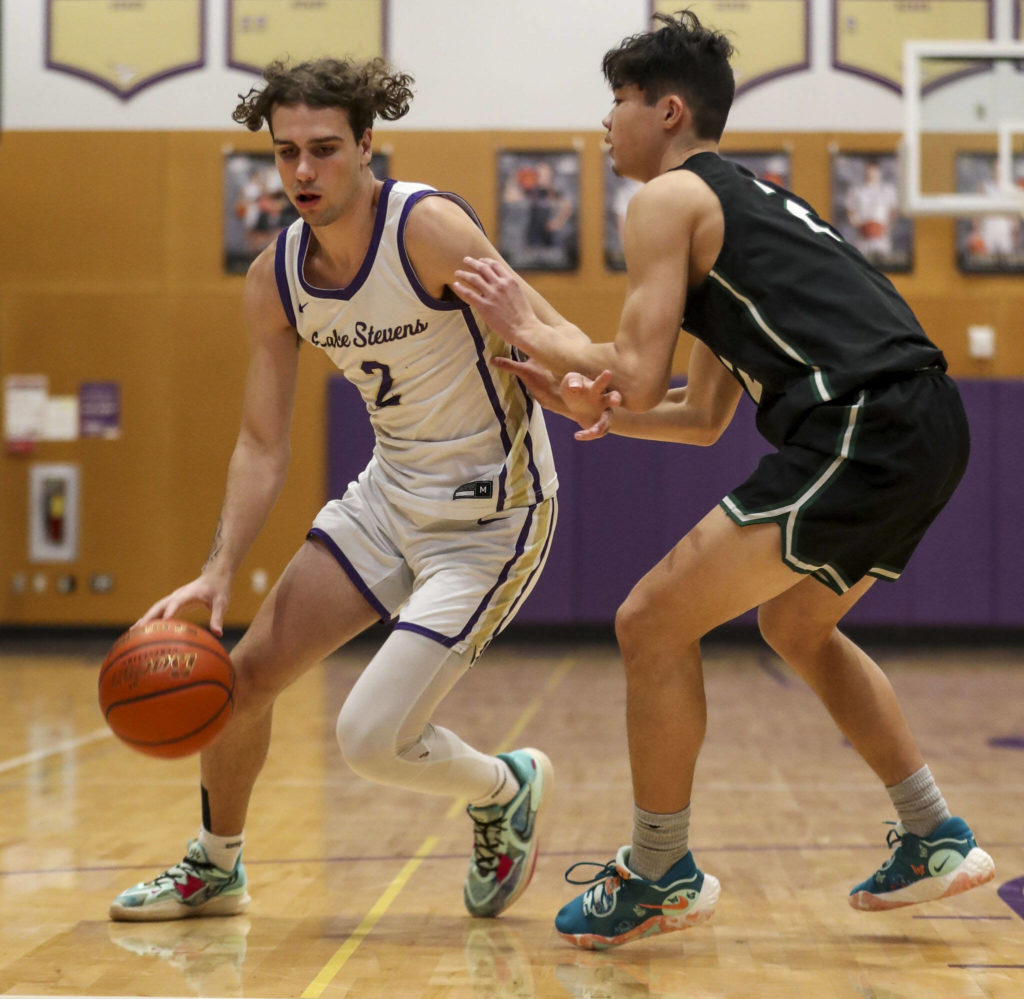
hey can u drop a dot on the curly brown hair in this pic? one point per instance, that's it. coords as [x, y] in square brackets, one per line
[363, 89]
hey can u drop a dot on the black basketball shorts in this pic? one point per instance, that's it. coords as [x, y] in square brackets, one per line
[859, 479]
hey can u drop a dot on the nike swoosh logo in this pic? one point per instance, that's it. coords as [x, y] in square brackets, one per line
[302, 306]
[679, 906]
[945, 860]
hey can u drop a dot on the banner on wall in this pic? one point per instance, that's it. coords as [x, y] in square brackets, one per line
[260, 31]
[125, 47]
[868, 36]
[771, 37]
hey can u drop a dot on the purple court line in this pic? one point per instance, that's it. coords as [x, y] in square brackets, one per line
[603, 852]
[993, 967]
[962, 917]
[1012, 893]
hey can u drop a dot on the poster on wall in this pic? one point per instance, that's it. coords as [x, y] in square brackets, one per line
[773, 167]
[988, 244]
[865, 209]
[125, 47]
[618, 192]
[53, 512]
[538, 211]
[256, 207]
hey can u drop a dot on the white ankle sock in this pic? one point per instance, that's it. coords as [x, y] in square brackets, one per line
[223, 851]
[504, 789]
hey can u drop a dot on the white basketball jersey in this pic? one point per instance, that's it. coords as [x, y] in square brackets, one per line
[457, 437]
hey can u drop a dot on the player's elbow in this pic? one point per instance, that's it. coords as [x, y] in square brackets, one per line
[641, 395]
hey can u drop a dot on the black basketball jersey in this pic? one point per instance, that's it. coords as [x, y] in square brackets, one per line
[794, 311]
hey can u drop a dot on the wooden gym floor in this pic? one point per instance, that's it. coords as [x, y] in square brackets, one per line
[357, 889]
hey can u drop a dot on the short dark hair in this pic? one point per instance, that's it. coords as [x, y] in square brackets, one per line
[682, 56]
[363, 89]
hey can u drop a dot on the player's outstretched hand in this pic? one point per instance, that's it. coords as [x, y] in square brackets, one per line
[542, 384]
[492, 288]
[201, 592]
[590, 402]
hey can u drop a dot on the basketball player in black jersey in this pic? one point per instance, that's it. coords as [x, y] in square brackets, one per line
[870, 437]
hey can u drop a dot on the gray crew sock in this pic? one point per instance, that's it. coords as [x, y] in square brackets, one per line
[658, 841]
[919, 803]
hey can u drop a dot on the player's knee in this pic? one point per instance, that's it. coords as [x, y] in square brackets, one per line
[367, 745]
[791, 636]
[629, 623]
[256, 688]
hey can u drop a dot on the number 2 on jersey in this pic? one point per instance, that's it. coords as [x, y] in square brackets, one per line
[386, 384]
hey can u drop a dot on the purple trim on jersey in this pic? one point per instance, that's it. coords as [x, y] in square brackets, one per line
[502, 576]
[426, 633]
[364, 271]
[124, 95]
[528, 441]
[424, 296]
[517, 603]
[316, 532]
[485, 376]
[520, 547]
[281, 273]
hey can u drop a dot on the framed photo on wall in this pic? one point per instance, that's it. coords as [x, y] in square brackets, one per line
[988, 244]
[773, 167]
[256, 207]
[617, 194]
[865, 209]
[538, 209]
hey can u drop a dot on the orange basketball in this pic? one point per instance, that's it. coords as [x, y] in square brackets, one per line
[167, 688]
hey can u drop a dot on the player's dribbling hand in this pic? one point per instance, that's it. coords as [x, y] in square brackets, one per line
[199, 593]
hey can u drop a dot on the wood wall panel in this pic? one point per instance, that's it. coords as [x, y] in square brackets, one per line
[110, 268]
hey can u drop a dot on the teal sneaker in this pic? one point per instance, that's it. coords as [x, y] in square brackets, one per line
[622, 906]
[195, 887]
[505, 837]
[924, 868]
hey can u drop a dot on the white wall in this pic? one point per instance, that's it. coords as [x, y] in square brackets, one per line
[479, 64]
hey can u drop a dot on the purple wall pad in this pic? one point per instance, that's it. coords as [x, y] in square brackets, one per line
[1008, 496]
[623, 504]
[953, 567]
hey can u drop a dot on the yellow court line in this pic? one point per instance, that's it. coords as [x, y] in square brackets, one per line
[326, 975]
[369, 921]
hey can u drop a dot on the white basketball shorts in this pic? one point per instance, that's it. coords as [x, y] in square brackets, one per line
[459, 582]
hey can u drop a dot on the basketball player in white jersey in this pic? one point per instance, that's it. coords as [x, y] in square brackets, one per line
[444, 532]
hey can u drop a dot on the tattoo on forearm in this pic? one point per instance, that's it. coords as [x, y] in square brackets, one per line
[218, 543]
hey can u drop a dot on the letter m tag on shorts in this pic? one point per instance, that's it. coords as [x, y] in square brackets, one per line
[482, 489]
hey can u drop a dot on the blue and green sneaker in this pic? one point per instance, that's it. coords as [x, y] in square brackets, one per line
[923, 868]
[622, 906]
[505, 837]
[194, 887]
